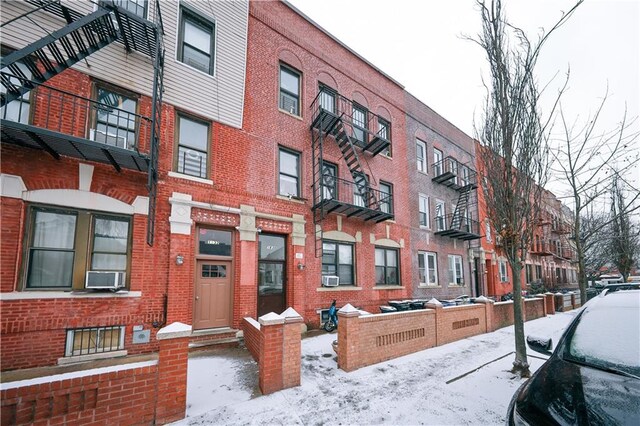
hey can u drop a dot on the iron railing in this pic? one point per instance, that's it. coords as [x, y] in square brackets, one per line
[92, 340]
[359, 194]
[331, 102]
[453, 172]
[458, 223]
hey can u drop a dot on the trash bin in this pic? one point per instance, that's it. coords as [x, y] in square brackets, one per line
[400, 305]
[387, 309]
[416, 304]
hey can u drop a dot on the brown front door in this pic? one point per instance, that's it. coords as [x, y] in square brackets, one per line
[212, 294]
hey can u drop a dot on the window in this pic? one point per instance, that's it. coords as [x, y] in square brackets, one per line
[387, 266]
[504, 277]
[18, 109]
[327, 98]
[138, 7]
[386, 197]
[384, 131]
[329, 183]
[539, 272]
[196, 41]
[421, 155]
[115, 119]
[455, 270]
[214, 242]
[193, 147]
[361, 190]
[465, 176]
[289, 90]
[423, 209]
[289, 182]
[359, 122]
[487, 227]
[437, 162]
[529, 273]
[428, 268]
[84, 341]
[440, 218]
[61, 240]
[337, 259]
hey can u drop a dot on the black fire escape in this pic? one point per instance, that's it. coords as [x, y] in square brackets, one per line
[462, 179]
[59, 124]
[357, 134]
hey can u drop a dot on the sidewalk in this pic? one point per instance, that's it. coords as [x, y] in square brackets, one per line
[222, 387]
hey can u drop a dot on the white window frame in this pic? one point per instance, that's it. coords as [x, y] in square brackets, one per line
[423, 207]
[444, 216]
[426, 256]
[502, 269]
[422, 164]
[437, 158]
[487, 228]
[455, 260]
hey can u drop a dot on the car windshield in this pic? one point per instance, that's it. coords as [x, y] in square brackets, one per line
[607, 337]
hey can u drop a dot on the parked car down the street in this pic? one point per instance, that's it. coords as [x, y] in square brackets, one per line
[593, 375]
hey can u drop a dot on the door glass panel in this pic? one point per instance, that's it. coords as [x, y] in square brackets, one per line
[214, 242]
[271, 247]
[214, 271]
[270, 278]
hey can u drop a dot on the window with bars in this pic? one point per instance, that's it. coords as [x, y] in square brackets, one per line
[329, 182]
[115, 119]
[17, 110]
[94, 340]
[193, 147]
[327, 98]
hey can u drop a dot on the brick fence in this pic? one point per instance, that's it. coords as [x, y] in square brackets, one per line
[148, 392]
[368, 339]
[274, 341]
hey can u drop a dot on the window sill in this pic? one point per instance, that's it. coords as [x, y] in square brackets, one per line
[429, 286]
[388, 287]
[90, 357]
[388, 157]
[191, 178]
[422, 173]
[292, 199]
[455, 285]
[284, 111]
[425, 228]
[20, 295]
[339, 288]
[189, 67]
[389, 221]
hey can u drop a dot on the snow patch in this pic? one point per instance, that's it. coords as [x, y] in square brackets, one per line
[348, 308]
[174, 330]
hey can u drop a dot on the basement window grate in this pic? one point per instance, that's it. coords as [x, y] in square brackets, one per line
[94, 340]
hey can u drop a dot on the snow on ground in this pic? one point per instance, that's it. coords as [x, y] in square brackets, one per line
[222, 386]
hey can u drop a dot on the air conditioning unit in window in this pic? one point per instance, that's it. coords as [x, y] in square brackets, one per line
[108, 280]
[330, 281]
[108, 138]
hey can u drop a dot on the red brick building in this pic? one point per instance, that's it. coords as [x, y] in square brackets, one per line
[258, 164]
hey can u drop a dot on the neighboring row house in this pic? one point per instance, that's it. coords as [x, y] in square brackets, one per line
[551, 259]
[208, 161]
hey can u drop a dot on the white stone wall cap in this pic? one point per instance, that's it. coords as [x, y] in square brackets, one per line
[434, 301]
[271, 319]
[290, 313]
[482, 299]
[348, 308]
[173, 331]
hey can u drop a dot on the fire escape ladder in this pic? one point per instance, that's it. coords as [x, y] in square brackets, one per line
[350, 156]
[55, 52]
[320, 212]
[461, 212]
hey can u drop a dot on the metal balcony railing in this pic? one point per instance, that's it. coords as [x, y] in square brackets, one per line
[457, 226]
[542, 248]
[368, 130]
[354, 199]
[450, 172]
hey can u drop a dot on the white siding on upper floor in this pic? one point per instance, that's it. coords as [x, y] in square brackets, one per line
[219, 97]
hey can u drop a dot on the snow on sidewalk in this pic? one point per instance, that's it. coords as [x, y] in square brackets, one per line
[222, 388]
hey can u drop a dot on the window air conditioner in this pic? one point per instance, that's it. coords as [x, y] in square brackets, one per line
[108, 138]
[110, 280]
[330, 281]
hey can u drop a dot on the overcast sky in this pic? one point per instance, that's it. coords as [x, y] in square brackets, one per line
[419, 43]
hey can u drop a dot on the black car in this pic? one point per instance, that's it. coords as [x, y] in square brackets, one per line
[593, 376]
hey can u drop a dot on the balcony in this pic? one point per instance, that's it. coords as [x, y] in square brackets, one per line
[458, 227]
[561, 228]
[455, 175]
[63, 124]
[542, 248]
[569, 254]
[356, 200]
[367, 130]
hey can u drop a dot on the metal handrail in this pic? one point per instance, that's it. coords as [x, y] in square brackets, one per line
[354, 193]
[64, 112]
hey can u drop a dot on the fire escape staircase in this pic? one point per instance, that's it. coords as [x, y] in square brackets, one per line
[332, 194]
[32, 66]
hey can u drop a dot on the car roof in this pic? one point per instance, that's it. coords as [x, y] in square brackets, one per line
[616, 299]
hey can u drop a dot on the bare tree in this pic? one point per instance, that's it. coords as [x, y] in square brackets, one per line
[588, 161]
[514, 154]
[625, 235]
[594, 240]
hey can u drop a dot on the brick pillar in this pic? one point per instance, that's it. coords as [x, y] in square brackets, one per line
[271, 353]
[348, 338]
[173, 360]
[292, 350]
[575, 300]
[180, 302]
[488, 312]
[246, 298]
[437, 307]
[559, 298]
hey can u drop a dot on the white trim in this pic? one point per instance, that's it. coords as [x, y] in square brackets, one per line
[67, 360]
[339, 288]
[11, 186]
[388, 287]
[76, 374]
[189, 177]
[78, 199]
[24, 295]
[387, 242]
[85, 176]
[338, 236]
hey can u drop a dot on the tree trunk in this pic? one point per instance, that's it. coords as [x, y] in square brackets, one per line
[520, 364]
[582, 274]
